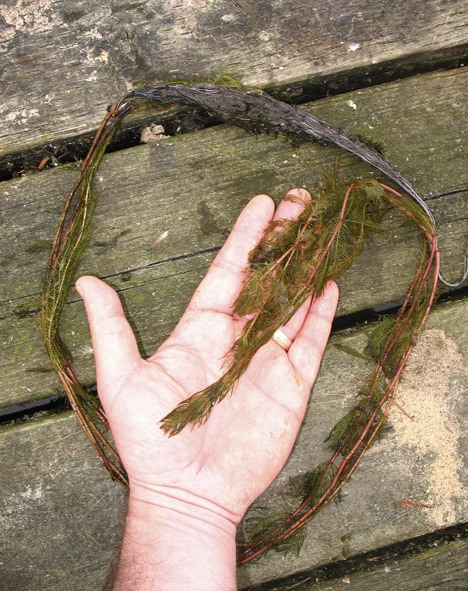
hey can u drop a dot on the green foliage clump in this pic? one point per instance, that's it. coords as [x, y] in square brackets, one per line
[294, 260]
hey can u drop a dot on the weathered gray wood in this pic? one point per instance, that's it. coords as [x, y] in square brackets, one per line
[60, 514]
[194, 186]
[52, 492]
[63, 63]
[443, 568]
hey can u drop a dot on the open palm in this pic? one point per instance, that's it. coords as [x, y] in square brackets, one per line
[238, 452]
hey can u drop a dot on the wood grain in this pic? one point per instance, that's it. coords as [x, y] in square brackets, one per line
[63, 63]
[163, 212]
[192, 188]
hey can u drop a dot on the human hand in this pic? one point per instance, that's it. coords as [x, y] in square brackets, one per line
[211, 473]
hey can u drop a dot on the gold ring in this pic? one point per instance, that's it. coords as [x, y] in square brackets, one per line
[282, 340]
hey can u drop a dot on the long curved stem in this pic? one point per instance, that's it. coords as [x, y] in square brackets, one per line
[305, 511]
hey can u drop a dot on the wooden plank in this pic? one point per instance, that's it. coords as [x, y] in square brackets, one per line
[45, 509]
[54, 491]
[442, 567]
[194, 186]
[84, 56]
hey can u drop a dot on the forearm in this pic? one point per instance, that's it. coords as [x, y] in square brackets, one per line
[173, 545]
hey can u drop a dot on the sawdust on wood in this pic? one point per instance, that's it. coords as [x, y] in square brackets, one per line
[429, 424]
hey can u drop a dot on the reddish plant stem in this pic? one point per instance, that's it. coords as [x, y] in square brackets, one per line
[92, 432]
[432, 262]
[322, 256]
[330, 242]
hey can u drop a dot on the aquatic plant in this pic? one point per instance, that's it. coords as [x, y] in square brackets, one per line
[294, 260]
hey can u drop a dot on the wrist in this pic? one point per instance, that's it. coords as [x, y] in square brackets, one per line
[156, 500]
[176, 541]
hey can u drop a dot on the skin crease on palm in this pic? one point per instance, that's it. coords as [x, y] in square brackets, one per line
[221, 467]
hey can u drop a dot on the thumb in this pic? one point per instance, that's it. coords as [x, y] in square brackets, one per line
[115, 347]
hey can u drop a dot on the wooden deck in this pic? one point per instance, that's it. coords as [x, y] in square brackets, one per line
[391, 72]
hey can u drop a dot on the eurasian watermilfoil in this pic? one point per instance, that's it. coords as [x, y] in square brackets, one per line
[294, 259]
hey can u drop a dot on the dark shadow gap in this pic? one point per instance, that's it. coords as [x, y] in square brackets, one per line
[366, 562]
[35, 409]
[183, 120]
[359, 319]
